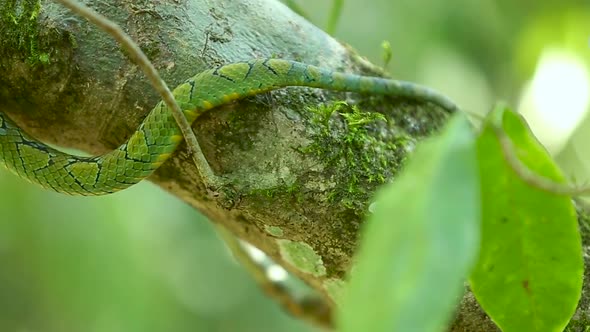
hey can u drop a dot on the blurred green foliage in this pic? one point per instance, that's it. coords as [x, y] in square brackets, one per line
[414, 254]
[140, 260]
[477, 52]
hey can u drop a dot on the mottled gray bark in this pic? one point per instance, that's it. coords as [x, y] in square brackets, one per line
[301, 177]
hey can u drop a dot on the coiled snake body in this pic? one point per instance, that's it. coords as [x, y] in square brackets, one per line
[158, 135]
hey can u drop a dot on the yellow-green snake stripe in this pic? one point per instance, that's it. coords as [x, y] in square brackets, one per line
[158, 136]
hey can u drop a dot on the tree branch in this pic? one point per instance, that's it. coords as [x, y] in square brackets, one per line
[301, 174]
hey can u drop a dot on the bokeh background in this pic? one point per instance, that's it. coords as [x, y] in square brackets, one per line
[140, 260]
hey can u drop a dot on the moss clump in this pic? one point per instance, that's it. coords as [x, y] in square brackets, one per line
[20, 31]
[362, 149]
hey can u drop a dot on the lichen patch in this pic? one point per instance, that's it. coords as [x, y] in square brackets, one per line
[302, 256]
[275, 231]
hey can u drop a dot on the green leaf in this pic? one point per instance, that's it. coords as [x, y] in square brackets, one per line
[529, 274]
[418, 246]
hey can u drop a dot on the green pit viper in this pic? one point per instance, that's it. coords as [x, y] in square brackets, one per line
[158, 135]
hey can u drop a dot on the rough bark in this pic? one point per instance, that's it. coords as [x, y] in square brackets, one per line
[301, 175]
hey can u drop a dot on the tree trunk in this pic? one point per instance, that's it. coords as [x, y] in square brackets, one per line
[301, 169]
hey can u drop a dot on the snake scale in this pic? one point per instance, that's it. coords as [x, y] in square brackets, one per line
[158, 135]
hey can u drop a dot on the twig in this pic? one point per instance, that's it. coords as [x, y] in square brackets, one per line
[315, 311]
[311, 308]
[137, 56]
[530, 177]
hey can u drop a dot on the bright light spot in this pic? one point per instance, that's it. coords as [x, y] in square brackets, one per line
[276, 273]
[557, 99]
[256, 254]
